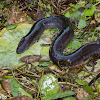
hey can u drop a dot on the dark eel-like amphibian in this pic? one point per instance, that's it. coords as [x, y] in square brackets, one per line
[56, 50]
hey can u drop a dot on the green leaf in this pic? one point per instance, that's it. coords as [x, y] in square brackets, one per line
[97, 0]
[90, 97]
[45, 63]
[11, 26]
[98, 87]
[75, 15]
[8, 77]
[82, 23]
[81, 82]
[76, 44]
[59, 95]
[45, 51]
[67, 14]
[98, 28]
[17, 88]
[48, 84]
[29, 18]
[69, 98]
[0, 79]
[9, 42]
[14, 85]
[23, 92]
[1, 6]
[78, 6]
[89, 89]
[89, 12]
[73, 9]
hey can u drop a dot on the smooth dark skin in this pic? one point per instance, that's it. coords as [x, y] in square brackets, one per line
[56, 50]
